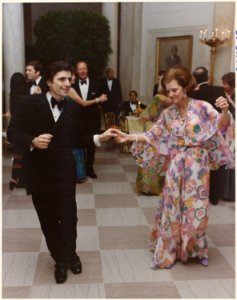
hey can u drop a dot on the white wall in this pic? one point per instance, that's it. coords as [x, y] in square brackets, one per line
[166, 19]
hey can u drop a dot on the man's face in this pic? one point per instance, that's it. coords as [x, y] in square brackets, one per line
[133, 97]
[60, 85]
[110, 74]
[31, 73]
[82, 70]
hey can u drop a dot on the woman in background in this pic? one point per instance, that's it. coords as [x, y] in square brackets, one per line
[18, 87]
[148, 180]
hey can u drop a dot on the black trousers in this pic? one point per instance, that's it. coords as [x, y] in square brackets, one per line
[57, 214]
[215, 186]
[90, 157]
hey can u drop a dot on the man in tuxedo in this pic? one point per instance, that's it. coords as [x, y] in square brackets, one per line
[88, 89]
[208, 93]
[43, 129]
[204, 90]
[34, 77]
[129, 107]
[112, 88]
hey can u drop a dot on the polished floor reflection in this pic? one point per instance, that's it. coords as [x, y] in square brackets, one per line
[113, 228]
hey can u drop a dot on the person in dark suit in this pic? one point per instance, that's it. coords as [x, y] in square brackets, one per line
[36, 82]
[204, 90]
[208, 93]
[129, 107]
[44, 128]
[112, 88]
[18, 87]
[88, 90]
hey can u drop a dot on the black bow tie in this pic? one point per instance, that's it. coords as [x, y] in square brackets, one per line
[83, 82]
[33, 83]
[133, 102]
[60, 104]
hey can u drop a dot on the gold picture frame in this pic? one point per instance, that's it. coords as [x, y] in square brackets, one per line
[166, 56]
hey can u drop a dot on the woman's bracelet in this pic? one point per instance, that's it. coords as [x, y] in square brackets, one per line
[97, 100]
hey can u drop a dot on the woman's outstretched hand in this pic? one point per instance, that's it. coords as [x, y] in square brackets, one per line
[121, 137]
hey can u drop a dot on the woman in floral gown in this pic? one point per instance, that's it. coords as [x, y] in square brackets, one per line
[186, 142]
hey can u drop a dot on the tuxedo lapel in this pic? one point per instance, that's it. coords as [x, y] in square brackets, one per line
[43, 106]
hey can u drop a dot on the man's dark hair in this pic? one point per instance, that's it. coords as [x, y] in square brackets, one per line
[200, 74]
[36, 64]
[229, 78]
[55, 67]
[132, 91]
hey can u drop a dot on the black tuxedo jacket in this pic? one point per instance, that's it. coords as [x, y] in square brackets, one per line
[53, 166]
[90, 114]
[42, 84]
[126, 109]
[115, 97]
[208, 93]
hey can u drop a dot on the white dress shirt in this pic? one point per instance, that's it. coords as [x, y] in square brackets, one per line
[55, 111]
[109, 82]
[33, 88]
[84, 88]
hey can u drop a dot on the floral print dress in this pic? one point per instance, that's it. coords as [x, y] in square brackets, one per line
[186, 151]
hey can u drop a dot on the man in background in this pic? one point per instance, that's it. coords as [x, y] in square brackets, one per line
[129, 107]
[112, 88]
[88, 89]
[208, 93]
[34, 77]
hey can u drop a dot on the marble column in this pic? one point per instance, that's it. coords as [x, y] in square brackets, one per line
[110, 10]
[13, 44]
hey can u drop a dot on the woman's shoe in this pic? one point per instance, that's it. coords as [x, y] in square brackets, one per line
[203, 262]
[169, 266]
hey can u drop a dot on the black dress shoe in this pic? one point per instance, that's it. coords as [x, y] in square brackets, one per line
[91, 175]
[60, 272]
[75, 265]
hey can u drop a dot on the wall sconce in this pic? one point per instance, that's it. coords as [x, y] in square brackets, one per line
[214, 42]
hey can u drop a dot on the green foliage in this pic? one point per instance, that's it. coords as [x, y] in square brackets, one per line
[73, 35]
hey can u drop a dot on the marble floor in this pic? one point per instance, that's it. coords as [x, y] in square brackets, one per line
[113, 228]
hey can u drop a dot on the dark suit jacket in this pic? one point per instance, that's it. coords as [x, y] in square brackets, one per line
[53, 166]
[126, 109]
[91, 114]
[208, 93]
[42, 84]
[115, 97]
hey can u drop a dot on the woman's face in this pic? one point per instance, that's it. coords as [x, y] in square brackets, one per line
[227, 88]
[175, 92]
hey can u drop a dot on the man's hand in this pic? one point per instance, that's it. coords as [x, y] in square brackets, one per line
[42, 141]
[103, 98]
[107, 135]
[122, 137]
[223, 104]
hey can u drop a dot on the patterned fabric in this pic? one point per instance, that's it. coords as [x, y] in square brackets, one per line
[186, 151]
[148, 180]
